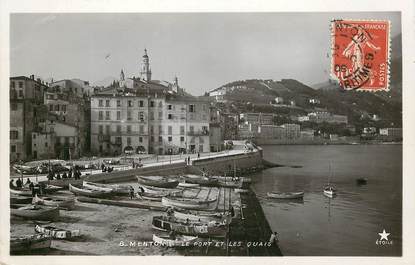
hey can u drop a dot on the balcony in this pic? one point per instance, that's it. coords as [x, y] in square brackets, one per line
[198, 133]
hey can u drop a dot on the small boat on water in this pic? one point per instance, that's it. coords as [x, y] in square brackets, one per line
[88, 192]
[115, 188]
[187, 203]
[188, 185]
[177, 241]
[29, 243]
[34, 212]
[286, 195]
[57, 233]
[68, 204]
[158, 181]
[166, 223]
[361, 181]
[329, 191]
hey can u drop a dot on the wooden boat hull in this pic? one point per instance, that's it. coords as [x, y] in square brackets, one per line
[22, 192]
[64, 183]
[286, 195]
[161, 191]
[203, 181]
[179, 241]
[55, 202]
[93, 186]
[187, 203]
[163, 223]
[20, 200]
[201, 217]
[188, 185]
[29, 243]
[88, 193]
[149, 197]
[35, 212]
[57, 233]
[161, 183]
[114, 188]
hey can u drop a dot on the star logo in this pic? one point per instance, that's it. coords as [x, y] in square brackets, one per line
[384, 235]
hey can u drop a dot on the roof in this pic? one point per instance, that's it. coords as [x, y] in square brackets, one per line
[22, 77]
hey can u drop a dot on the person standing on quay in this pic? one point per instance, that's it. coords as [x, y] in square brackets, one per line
[131, 193]
[198, 155]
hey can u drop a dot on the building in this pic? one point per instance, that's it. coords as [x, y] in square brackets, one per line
[393, 134]
[307, 135]
[26, 110]
[271, 132]
[323, 116]
[279, 100]
[148, 116]
[75, 87]
[216, 130]
[257, 118]
[291, 131]
[230, 125]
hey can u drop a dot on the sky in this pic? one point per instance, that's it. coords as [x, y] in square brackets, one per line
[204, 50]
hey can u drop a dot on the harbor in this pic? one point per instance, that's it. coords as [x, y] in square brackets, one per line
[127, 225]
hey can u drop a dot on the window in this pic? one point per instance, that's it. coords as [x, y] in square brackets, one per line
[160, 115]
[141, 129]
[141, 103]
[141, 116]
[13, 149]
[181, 138]
[170, 116]
[204, 107]
[128, 140]
[160, 104]
[191, 129]
[107, 103]
[107, 129]
[66, 140]
[64, 108]
[170, 138]
[21, 93]
[160, 139]
[118, 140]
[140, 139]
[128, 128]
[170, 129]
[100, 103]
[118, 128]
[169, 107]
[201, 140]
[151, 129]
[100, 115]
[152, 104]
[12, 84]
[160, 129]
[13, 106]
[107, 115]
[181, 129]
[118, 103]
[130, 103]
[191, 108]
[56, 107]
[46, 144]
[129, 115]
[34, 136]
[118, 115]
[151, 115]
[20, 84]
[152, 139]
[100, 129]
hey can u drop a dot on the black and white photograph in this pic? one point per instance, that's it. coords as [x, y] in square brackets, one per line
[243, 134]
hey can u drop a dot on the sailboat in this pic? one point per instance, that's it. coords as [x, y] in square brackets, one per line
[329, 190]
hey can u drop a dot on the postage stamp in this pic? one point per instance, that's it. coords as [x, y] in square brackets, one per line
[360, 54]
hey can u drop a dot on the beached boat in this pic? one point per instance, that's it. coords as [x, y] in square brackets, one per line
[88, 192]
[286, 195]
[156, 181]
[199, 216]
[57, 233]
[34, 212]
[25, 170]
[177, 241]
[115, 188]
[14, 199]
[21, 192]
[56, 202]
[149, 196]
[361, 181]
[201, 180]
[64, 183]
[160, 191]
[29, 243]
[187, 203]
[167, 223]
[188, 185]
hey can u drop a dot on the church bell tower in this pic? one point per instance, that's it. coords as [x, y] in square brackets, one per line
[145, 72]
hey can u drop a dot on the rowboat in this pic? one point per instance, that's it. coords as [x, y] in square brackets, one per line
[56, 202]
[57, 233]
[187, 203]
[188, 185]
[160, 191]
[94, 186]
[115, 188]
[166, 223]
[203, 181]
[286, 195]
[149, 196]
[178, 241]
[25, 170]
[52, 188]
[29, 243]
[88, 192]
[156, 181]
[64, 183]
[34, 212]
[20, 199]
[204, 217]
[329, 191]
[21, 192]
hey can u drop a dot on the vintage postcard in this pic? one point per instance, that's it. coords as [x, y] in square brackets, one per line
[207, 134]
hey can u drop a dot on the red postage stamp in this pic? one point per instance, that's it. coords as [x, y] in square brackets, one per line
[360, 54]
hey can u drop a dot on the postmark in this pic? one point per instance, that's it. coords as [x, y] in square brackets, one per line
[360, 54]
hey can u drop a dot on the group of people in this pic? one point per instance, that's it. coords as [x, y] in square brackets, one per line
[137, 165]
[73, 173]
[36, 188]
[104, 168]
